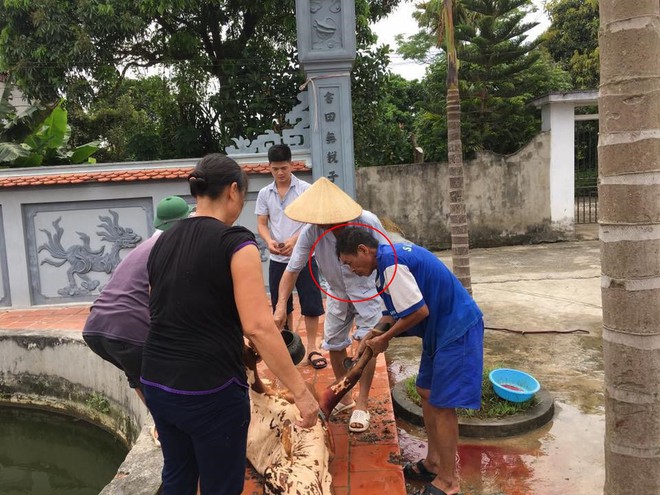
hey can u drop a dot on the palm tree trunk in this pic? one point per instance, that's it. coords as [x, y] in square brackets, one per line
[629, 191]
[457, 212]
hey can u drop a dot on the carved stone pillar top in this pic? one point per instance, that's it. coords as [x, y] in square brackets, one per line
[326, 33]
[326, 49]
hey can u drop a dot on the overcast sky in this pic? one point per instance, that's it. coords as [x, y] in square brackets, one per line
[401, 22]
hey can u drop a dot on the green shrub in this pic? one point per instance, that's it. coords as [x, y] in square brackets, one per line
[492, 405]
[98, 403]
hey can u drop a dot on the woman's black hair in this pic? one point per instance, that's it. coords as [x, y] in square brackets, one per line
[351, 237]
[213, 173]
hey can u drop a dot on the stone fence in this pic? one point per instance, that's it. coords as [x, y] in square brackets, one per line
[63, 230]
[507, 197]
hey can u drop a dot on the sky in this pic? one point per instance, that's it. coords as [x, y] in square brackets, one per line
[401, 22]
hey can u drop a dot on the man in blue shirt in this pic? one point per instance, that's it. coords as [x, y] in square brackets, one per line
[423, 298]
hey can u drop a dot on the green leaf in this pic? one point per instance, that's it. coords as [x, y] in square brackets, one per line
[82, 153]
[32, 160]
[19, 127]
[55, 127]
[9, 152]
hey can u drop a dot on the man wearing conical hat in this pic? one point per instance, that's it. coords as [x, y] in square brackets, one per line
[322, 207]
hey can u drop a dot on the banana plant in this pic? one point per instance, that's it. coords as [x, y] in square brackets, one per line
[15, 128]
[38, 136]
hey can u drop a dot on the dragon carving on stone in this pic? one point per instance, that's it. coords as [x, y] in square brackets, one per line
[83, 259]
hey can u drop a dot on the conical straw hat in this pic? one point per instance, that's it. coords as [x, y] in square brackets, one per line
[323, 204]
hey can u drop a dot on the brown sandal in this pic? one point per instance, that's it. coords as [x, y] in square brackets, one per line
[317, 363]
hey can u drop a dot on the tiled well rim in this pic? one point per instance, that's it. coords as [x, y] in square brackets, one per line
[58, 371]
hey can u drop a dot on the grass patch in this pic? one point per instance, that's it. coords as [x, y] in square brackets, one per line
[492, 405]
[98, 403]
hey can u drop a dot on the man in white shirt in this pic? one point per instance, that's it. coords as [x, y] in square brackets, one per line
[325, 206]
[280, 234]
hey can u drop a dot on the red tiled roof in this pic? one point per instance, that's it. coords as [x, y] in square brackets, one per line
[124, 175]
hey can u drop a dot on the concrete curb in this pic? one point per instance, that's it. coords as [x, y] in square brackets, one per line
[530, 420]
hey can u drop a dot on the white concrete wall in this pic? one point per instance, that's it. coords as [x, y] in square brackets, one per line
[57, 370]
[22, 227]
[507, 197]
[558, 119]
[16, 99]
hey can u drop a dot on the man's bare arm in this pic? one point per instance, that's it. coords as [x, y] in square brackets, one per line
[287, 283]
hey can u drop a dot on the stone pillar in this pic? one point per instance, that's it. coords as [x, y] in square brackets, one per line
[558, 118]
[326, 50]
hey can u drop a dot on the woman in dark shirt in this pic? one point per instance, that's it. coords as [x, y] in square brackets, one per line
[207, 294]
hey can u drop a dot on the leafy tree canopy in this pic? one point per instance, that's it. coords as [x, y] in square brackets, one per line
[500, 71]
[388, 119]
[142, 120]
[572, 39]
[232, 64]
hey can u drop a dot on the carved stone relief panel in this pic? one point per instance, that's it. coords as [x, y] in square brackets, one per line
[326, 24]
[326, 33]
[5, 295]
[297, 137]
[74, 247]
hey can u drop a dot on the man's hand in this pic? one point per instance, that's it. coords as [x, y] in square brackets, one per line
[287, 246]
[363, 343]
[274, 247]
[280, 316]
[309, 409]
[378, 344]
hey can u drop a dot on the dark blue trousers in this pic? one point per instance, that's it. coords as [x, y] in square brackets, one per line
[203, 437]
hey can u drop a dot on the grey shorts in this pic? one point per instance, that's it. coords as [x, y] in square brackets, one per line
[336, 332]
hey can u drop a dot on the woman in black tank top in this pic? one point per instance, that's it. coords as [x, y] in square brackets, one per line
[207, 296]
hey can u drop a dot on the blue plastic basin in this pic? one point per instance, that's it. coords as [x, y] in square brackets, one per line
[513, 385]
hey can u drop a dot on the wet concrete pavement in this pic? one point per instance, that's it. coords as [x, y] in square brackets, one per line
[549, 288]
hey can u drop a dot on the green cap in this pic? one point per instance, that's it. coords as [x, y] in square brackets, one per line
[169, 210]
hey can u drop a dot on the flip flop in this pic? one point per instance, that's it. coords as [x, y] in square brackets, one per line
[360, 418]
[341, 407]
[319, 363]
[417, 471]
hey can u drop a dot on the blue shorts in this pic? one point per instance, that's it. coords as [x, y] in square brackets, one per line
[454, 373]
[309, 295]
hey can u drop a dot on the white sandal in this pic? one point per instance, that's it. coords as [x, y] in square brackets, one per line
[360, 418]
